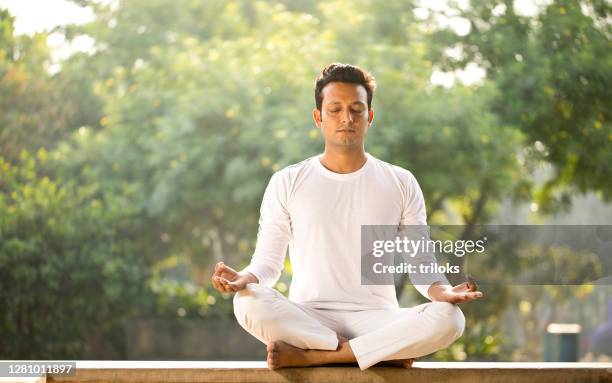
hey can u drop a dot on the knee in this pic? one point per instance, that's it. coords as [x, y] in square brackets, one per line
[450, 318]
[251, 304]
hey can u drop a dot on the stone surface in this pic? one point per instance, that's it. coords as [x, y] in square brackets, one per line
[39, 379]
[188, 372]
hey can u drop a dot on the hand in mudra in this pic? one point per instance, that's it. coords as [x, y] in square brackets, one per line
[463, 292]
[227, 280]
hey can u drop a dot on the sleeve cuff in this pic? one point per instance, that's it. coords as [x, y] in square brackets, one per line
[423, 289]
[270, 282]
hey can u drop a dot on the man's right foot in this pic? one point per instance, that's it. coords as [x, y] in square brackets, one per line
[281, 354]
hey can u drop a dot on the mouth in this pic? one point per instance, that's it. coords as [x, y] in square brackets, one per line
[345, 131]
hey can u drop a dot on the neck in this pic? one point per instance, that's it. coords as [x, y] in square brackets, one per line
[345, 161]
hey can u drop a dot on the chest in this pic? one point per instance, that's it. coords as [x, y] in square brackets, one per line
[357, 202]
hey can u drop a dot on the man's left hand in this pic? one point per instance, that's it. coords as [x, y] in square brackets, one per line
[464, 292]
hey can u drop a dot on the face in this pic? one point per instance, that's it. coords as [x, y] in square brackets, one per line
[344, 118]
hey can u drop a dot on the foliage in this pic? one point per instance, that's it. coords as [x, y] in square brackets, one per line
[553, 73]
[34, 110]
[66, 271]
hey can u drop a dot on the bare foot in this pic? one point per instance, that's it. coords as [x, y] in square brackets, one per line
[405, 363]
[281, 354]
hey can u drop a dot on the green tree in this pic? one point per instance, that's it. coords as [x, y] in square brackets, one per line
[33, 110]
[67, 276]
[553, 75]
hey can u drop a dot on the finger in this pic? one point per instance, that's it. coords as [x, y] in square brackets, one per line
[222, 287]
[229, 269]
[460, 287]
[463, 287]
[216, 284]
[226, 284]
[222, 283]
[219, 267]
[472, 283]
[474, 295]
[466, 297]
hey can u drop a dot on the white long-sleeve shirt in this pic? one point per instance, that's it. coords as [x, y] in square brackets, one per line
[318, 214]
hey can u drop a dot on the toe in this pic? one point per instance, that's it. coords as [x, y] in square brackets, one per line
[274, 363]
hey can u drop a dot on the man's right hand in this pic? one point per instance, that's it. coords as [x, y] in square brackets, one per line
[227, 280]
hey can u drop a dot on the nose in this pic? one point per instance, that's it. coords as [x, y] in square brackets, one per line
[347, 117]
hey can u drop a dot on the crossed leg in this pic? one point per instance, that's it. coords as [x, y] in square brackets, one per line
[300, 336]
[294, 335]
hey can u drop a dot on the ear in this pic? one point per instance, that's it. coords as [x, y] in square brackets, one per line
[316, 115]
[370, 116]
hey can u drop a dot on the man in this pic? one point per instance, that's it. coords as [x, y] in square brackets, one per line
[317, 207]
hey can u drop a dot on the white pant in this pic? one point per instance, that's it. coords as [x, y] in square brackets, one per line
[374, 335]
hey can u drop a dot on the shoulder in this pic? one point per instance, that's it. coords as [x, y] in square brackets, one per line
[292, 171]
[402, 175]
[286, 177]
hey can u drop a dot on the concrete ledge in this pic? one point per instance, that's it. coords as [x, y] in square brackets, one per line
[39, 379]
[191, 372]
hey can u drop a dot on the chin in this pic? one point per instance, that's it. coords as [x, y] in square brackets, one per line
[349, 143]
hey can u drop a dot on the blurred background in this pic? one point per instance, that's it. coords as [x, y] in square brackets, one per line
[137, 137]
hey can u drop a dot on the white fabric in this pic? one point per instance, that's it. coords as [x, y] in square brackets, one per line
[318, 214]
[375, 335]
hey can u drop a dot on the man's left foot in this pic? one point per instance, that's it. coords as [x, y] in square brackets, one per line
[404, 363]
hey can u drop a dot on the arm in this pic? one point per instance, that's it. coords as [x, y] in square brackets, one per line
[433, 286]
[272, 239]
[414, 222]
[273, 235]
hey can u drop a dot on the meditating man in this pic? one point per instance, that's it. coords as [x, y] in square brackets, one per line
[316, 208]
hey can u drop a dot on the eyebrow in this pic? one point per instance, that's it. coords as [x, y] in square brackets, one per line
[353, 103]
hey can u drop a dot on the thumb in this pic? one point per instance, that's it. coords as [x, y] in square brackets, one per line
[236, 285]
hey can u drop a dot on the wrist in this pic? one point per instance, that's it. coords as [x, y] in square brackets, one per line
[249, 277]
[437, 291]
